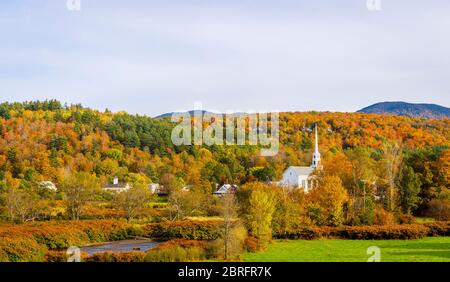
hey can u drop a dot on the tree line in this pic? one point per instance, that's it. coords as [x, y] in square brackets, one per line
[394, 163]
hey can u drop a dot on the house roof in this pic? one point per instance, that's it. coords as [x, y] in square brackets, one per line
[226, 188]
[302, 170]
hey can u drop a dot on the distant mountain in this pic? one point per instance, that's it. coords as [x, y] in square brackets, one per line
[407, 109]
[168, 115]
[431, 111]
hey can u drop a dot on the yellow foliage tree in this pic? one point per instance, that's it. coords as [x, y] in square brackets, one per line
[326, 202]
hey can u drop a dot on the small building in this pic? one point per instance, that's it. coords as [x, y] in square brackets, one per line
[226, 189]
[159, 189]
[116, 186]
[154, 188]
[47, 185]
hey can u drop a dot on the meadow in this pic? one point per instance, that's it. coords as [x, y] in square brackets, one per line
[432, 249]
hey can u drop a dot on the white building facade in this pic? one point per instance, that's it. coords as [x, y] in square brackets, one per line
[302, 176]
[117, 187]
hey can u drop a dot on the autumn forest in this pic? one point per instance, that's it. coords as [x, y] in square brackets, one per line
[381, 175]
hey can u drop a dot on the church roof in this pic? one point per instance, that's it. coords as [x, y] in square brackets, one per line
[302, 170]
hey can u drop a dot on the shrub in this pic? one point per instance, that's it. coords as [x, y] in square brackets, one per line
[251, 244]
[175, 254]
[386, 232]
[400, 232]
[102, 213]
[21, 249]
[439, 209]
[383, 217]
[178, 251]
[116, 257]
[405, 218]
[107, 230]
[181, 242]
[186, 229]
[438, 228]
[61, 256]
[62, 234]
[58, 237]
[308, 233]
[55, 256]
[30, 242]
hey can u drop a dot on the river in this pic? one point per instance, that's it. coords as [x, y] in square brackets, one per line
[123, 246]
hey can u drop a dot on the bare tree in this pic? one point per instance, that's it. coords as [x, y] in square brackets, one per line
[21, 205]
[186, 203]
[231, 243]
[79, 189]
[134, 199]
[229, 213]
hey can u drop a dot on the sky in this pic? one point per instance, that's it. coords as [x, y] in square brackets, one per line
[151, 57]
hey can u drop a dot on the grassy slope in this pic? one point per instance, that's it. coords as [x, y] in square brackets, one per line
[429, 249]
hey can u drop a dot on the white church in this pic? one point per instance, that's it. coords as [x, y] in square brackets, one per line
[302, 176]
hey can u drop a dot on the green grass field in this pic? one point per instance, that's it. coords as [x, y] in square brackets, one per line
[435, 249]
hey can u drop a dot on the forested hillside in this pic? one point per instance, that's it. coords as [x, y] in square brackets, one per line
[46, 140]
[409, 110]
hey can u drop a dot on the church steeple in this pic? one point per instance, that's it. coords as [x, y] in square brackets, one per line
[316, 154]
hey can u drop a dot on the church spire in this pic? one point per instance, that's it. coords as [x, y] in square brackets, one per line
[316, 154]
[316, 146]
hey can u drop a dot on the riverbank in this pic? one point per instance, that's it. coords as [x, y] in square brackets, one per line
[31, 242]
[188, 240]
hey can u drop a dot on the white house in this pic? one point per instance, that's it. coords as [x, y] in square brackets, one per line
[116, 186]
[47, 185]
[302, 176]
[154, 187]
